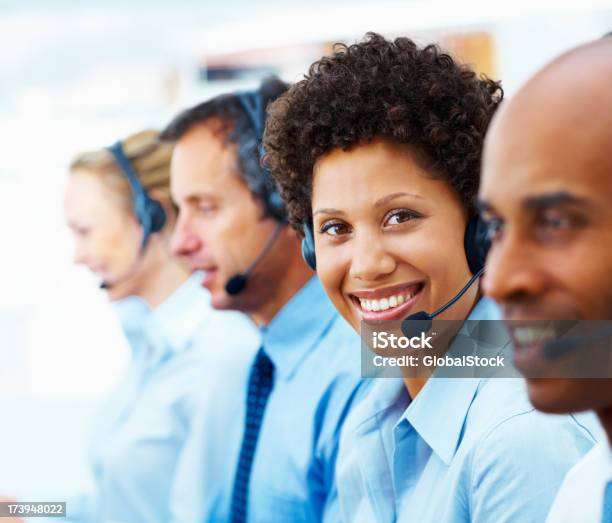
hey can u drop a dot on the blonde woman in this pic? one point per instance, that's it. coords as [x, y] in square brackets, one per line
[118, 208]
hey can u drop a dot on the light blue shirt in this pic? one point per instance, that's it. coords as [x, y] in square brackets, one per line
[316, 380]
[465, 450]
[179, 349]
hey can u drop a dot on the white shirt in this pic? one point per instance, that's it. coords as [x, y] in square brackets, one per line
[581, 496]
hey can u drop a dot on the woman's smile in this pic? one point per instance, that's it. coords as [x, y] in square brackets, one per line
[386, 303]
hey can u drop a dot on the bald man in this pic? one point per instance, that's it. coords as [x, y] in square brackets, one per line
[546, 194]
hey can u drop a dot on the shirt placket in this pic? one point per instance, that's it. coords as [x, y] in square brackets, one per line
[404, 462]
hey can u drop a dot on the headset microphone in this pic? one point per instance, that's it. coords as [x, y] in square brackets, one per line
[237, 283]
[558, 348]
[106, 285]
[420, 322]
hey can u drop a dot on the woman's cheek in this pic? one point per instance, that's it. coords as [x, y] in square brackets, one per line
[332, 271]
[424, 255]
[419, 251]
[117, 249]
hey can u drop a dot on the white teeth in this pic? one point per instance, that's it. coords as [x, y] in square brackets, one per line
[528, 335]
[385, 303]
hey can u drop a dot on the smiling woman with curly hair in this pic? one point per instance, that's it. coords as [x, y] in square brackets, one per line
[377, 154]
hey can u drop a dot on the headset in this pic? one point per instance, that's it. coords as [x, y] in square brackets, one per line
[149, 212]
[253, 105]
[476, 243]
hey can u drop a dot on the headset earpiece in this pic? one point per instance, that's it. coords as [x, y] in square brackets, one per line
[476, 243]
[308, 247]
[156, 215]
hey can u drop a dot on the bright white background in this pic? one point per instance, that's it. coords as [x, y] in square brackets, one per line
[77, 75]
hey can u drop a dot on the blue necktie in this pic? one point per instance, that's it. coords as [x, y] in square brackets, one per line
[260, 386]
[606, 515]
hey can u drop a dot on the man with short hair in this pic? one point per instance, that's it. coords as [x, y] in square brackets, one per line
[267, 451]
[546, 194]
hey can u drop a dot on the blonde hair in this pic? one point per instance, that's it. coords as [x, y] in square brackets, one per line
[149, 157]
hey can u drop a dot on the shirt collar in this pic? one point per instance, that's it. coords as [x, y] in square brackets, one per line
[607, 450]
[297, 327]
[131, 311]
[439, 411]
[170, 327]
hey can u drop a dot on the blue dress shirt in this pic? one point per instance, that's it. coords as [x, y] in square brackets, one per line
[178, 351]
[464, 450]
[316, 380]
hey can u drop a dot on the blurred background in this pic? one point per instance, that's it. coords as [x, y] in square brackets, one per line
[78, 75]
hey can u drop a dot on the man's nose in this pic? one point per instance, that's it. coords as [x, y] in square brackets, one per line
[513, 269]
[184, 241]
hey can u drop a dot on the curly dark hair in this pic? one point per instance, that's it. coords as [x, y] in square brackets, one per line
[241, 129]
[381, 88]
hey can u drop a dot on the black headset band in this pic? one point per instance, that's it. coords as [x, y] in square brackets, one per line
[126, 168]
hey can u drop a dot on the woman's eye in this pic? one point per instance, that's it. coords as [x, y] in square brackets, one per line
[334, 228]
[400, 216]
